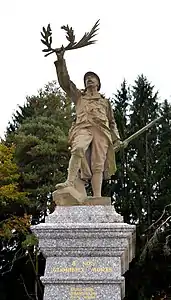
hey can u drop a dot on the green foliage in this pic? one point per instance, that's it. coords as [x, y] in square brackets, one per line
[30, 241]
[144, 108]
[14, 220]
[42, 153]
[163, 169]
[10, 195]
[120, 181]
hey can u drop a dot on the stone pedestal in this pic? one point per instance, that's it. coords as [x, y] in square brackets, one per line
[87, 248]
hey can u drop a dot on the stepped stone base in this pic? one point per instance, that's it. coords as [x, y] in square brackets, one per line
[88, 248]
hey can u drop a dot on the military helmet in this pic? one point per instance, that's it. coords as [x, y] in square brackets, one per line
[94, 74]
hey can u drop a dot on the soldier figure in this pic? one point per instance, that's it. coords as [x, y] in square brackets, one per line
[92, 135]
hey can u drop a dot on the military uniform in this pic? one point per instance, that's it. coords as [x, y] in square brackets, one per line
[94, 131]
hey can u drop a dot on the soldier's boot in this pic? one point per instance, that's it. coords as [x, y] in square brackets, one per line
[96, 183]
[74, 166]
[80, 186]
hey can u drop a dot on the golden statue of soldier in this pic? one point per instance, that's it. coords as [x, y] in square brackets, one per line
[93, 133]
[94, 136]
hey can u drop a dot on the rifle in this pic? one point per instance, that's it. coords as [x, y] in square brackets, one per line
[136, 134]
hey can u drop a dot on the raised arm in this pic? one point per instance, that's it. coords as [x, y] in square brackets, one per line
[64, 80]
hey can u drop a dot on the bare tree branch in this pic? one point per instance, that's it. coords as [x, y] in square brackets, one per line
[15, 258]
[36, 275]
[158, 220]
[153, 239]
[25, 288]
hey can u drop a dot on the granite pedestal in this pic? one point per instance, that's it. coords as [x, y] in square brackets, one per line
[88, 249]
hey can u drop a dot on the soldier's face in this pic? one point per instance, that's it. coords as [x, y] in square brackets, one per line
[91, 81]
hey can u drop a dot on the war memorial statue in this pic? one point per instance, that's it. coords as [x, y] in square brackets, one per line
[86, 243]
[94, 132]
[94, 137]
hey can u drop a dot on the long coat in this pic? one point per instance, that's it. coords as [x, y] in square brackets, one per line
[90, 111]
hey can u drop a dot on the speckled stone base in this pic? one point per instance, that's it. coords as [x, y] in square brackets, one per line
[88, 249]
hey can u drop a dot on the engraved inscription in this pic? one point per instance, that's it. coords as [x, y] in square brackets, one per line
[67, 270]
[85, 266]
[82, 293]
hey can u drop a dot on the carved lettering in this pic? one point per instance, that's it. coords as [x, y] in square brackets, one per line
[82, 293]
[88, 263]
[77, 267]
[102, 270]
[67, 270]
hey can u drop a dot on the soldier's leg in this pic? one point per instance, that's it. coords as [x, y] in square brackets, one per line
[80, 186]
[79, 147]
[100, 146]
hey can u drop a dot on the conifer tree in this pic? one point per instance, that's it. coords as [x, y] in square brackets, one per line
[42, 152]
[120, 181]
[142, 152]
[39, 132]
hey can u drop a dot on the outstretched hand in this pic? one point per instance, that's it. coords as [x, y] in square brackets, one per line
[60, 53]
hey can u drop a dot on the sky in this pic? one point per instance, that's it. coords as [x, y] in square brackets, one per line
[134, 38]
